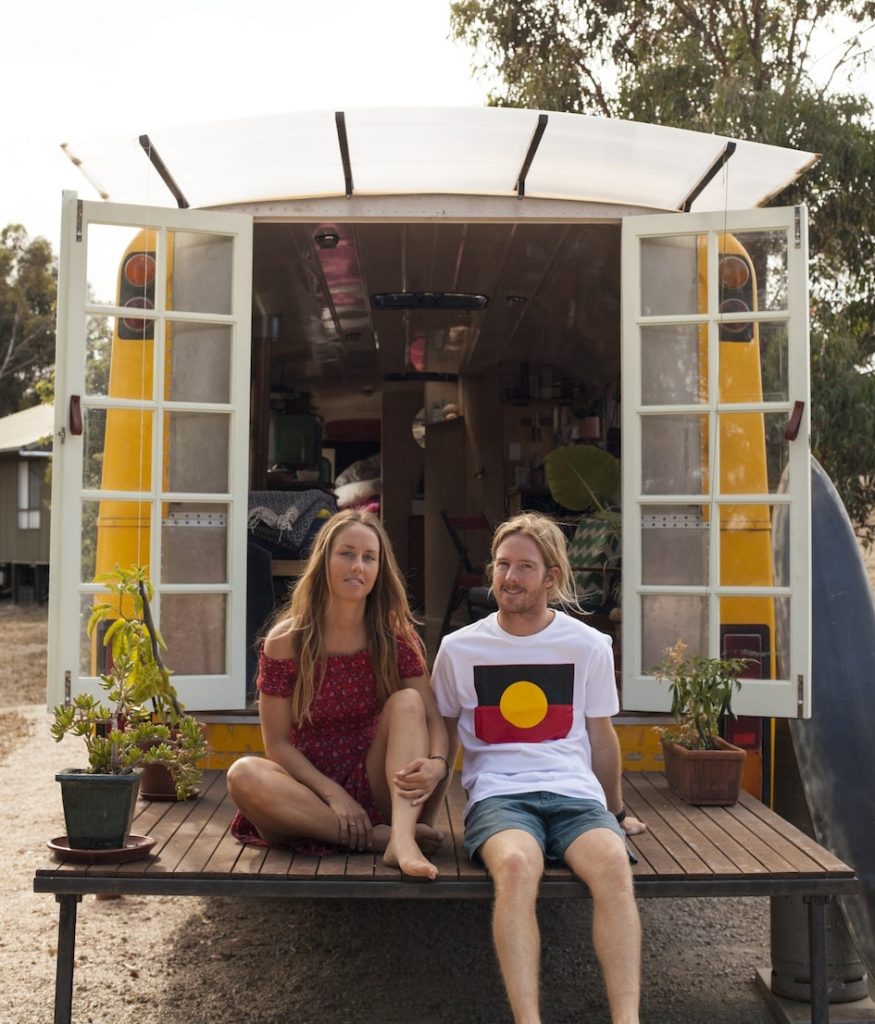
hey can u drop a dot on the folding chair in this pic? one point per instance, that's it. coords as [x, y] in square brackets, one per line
[468, 575]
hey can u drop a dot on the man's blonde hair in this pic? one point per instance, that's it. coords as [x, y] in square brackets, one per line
[550, 542]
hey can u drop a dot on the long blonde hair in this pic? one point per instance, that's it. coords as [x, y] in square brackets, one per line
[387, 615]
[551, 545]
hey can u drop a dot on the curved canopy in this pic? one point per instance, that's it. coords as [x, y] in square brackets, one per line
[488, 151]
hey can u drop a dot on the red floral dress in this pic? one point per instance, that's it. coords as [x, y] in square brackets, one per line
[337, 738]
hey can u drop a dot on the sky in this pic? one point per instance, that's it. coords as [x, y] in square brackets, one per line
[75, 71]
[101, 68]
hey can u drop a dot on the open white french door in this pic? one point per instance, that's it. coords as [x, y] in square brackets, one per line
[151, 450]
[716, 474]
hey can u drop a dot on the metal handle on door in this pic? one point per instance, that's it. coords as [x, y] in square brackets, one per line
[791, 431]
[75, 416]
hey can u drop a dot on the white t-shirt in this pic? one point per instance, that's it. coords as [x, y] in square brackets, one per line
[522, 704]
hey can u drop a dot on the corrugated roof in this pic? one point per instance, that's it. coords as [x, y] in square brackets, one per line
[22, 429]
[436, 151]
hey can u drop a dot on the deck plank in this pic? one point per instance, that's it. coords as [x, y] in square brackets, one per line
[277, 863]
[819, 854]
[743, 861]
[710, 856]
[202, 849]
[456, 801]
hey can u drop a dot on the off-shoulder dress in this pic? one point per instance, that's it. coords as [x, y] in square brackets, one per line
[341, 729]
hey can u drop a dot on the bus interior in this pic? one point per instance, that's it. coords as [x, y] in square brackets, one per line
[442, 362]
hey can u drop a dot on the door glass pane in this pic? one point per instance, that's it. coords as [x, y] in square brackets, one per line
[674, 545]
[764, 256]
[200, 362]
[756, 372]
[673, 365]
[98, 342]
[88, 646]
[674, 454]
[748, 629]
[115, 365]
[198, 451]
[670, 281]
[782, 637]
[200, 279]
[121, 264]
[194, 543]
[746, 546]
[113, 533]
[753, 452]
[117, 449]
[667, 618]
[193, 627]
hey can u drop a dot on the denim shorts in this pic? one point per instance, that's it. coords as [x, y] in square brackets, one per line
[554, 820]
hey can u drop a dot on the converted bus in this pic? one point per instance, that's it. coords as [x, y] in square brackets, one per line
[443, 297]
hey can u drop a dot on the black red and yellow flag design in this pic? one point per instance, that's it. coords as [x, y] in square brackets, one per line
[523, 703]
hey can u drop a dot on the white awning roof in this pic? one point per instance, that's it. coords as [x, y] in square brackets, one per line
[26, 428]
[436, 151]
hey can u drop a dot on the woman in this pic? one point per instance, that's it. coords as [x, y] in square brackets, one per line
[356, 750]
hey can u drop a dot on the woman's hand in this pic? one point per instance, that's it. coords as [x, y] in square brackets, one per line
[417, 781]
[353, 821]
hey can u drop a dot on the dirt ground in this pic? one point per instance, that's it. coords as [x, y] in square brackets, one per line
[149, 960]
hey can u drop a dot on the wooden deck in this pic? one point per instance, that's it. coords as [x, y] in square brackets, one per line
[744, 850]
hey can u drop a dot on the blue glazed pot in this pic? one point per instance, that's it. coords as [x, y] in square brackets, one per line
[98, 809]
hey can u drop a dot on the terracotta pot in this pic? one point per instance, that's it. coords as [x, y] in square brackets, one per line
[709, 778]
[156, 783]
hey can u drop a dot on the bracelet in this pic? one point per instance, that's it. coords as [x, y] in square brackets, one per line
[440, 757]
[620, 816]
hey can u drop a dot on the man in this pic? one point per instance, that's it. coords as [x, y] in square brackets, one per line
[529, 692]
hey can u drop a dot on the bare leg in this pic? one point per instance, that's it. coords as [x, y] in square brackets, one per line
[516, 863]
[600, 860]
[277, 805]
[401, 737]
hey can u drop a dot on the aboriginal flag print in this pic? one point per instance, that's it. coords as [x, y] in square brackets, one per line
[523, 703]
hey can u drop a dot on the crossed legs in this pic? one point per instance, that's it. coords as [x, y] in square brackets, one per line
[281, 808]
[598, 857]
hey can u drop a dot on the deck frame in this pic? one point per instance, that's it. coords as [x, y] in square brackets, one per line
[745, 850]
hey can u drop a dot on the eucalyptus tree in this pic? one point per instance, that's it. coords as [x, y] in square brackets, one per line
[769, 71]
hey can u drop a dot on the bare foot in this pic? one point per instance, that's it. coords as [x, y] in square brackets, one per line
[408, 857]
[380, 836]
[428, 839]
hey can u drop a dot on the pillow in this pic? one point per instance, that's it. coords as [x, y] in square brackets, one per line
[364, 469]
[349, 494]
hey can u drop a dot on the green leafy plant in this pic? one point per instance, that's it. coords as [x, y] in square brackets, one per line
[122, 734]
[701, 695]
[581, 477]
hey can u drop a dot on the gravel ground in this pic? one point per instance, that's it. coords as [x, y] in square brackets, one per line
[150, 960]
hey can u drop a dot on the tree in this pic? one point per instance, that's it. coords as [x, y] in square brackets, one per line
[28, 293]
[752, 69]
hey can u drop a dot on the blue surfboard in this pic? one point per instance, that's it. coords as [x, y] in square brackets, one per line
[835, 748]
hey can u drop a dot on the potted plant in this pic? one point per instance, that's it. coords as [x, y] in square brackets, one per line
[128, 609]
[700, 766]
[121, 736]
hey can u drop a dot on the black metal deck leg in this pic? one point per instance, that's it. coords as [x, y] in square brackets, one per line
[817, 958]
[66, 951]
